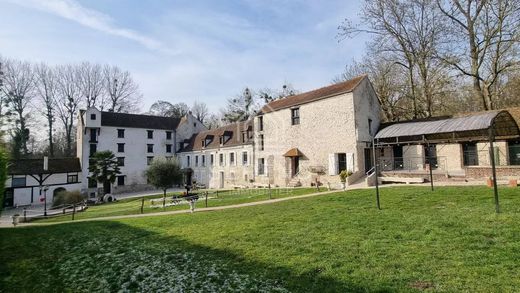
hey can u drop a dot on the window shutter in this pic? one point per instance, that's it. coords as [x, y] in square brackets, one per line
[350, 162]
[333, 166]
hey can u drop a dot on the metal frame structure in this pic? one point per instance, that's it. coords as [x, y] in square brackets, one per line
[488, 126]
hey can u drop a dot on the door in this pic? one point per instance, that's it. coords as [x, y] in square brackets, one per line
[221, 185]
[369, 160]
[295, 166]
[430, 154]
[8, 198]
[398, 157]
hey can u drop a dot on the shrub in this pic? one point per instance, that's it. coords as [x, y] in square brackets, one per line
[67, 197]
[343, 175]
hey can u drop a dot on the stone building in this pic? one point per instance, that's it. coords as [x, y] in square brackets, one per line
[315, 135]
[135, 139]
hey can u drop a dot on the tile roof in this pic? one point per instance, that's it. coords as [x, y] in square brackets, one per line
[138, 121]
[314, 95]
[234, 130]
[35, 166]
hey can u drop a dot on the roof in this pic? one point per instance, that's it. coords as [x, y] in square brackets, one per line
[294, 152]
[470, 125]
[138, 121]
[233, 130]
[35, 166]
[314, 95]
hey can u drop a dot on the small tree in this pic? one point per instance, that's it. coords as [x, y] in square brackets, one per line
[164, 174]
[104, 168]
[3, 173]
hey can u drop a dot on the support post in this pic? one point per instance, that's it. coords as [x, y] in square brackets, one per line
[493, 167]
[73, 211]
[25, 215]
[375, 172]
[430, 167]
[206, 193]
[142, 204]
[269, 187]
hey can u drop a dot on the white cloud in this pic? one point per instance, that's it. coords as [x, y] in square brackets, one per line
[72, 10]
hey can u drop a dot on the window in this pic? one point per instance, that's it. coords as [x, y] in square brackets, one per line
[370, 126]
[188, 161]
[93, 135]
[120, 180]
[18, 182]
[221, 140]
[150, 134]
[120, 161]
[231, 159]
[244, 137]
[120, 133]
[342, 162]
[221, 159]
[93, 149]
[92, 183]
[211, 159]
[261, 166]
[72, 178]
[203, 158]
[244, 158]
[261, 123]
[261, 141]
[120, 147]
[168, 148]
[149, 160]
[295, 116]
[514, 152]
[92, 116]
[168, 135]
[470, 154]
[149, 148]
[196, 161]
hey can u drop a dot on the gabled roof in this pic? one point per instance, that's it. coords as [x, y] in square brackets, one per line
[314, 95]
[138, 121]
[35, 166]
[233, 130]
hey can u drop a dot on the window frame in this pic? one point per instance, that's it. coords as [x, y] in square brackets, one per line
[24, 179]
[72, 178]
[295, 119]
[168, 135]
[119, 178]
[120, 147]
[121, 161]
[245, 158]
[149, 134]
[148, 147]
[261, 166]
[149, 160]
[120, 133]
[168, 148]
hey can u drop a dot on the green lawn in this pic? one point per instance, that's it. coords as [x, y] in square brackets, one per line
[222, 198]
[449, 240]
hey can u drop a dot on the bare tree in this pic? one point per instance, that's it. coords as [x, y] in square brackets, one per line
[18, 80]
[167, 109]
[240, 108]
[90, 79]
[200, 111]
[214, 121]
[484, 42]
[122, 92]
[409, 33]
[68, 101]
[47, 92]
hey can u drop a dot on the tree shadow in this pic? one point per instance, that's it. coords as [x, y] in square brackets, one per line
[110, 256]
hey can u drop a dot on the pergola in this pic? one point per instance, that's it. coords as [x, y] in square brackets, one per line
[487, 126]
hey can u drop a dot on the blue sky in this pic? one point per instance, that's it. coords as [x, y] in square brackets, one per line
[182, 51]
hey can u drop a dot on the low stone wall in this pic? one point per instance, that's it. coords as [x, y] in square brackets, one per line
[132, 188]
[485, 172]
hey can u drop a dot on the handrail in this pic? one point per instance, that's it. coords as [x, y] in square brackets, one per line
[371, 171]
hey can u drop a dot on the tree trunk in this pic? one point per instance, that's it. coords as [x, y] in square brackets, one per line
[51, 144]
[164, 199]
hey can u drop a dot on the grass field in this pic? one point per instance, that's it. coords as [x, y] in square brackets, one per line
[448, 240]
[133, 205]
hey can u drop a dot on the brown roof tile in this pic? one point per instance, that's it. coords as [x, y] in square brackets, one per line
[234, 130]
[314, 95]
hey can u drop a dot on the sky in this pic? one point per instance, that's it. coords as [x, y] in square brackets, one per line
[181, 51]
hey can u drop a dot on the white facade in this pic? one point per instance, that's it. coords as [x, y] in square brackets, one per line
[135, 146]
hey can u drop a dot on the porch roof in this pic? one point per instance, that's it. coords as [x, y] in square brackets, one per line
[471, 127]
[294, 152]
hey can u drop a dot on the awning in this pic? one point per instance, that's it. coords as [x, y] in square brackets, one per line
[294, 152]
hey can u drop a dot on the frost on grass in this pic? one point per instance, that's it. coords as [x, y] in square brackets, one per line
[108, 267]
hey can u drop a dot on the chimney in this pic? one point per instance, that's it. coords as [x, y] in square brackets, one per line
[45, 163]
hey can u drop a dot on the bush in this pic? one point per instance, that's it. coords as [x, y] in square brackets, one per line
[67, 197]
[343, 175]
[3, 174]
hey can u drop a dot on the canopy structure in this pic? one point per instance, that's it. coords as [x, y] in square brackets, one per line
[471, 127]
[294, 152]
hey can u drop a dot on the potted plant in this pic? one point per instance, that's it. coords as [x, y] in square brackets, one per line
[343, 175]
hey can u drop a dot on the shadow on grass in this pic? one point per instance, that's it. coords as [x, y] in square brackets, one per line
[110, 256]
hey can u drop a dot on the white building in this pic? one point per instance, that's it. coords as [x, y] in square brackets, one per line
[27, 176]
[136, 140]
[221, 157]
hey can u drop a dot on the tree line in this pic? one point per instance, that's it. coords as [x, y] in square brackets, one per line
[434, 57]
[31, 93]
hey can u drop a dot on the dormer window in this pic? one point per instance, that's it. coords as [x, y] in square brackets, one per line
[92, 116]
